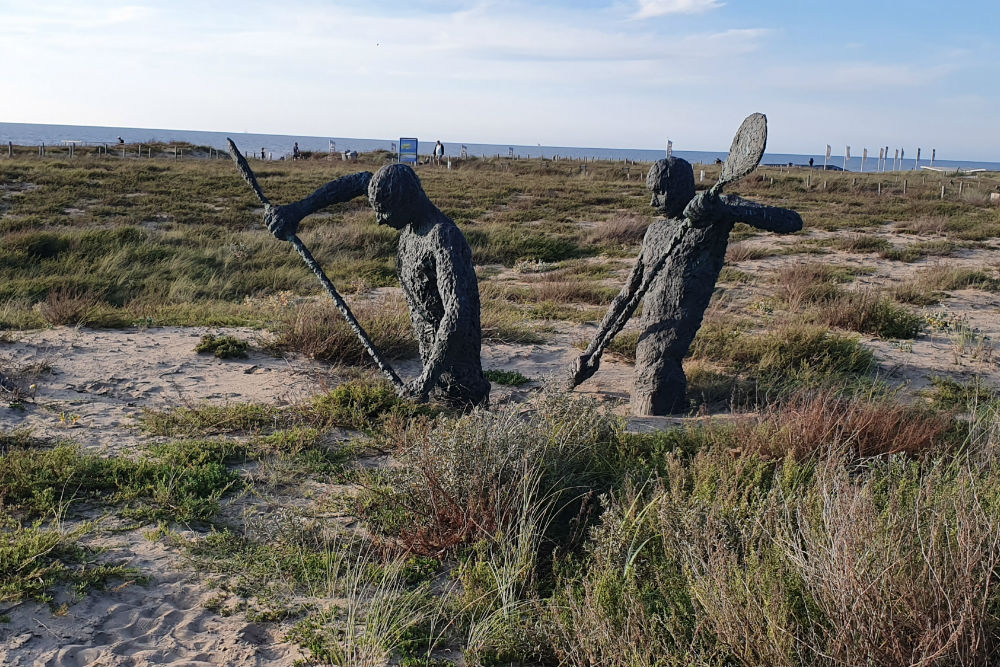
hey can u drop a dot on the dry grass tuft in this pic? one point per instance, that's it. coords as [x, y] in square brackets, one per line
[624, 229]
[318, 330]
[811, 423]
[68, 306]
[742, 252]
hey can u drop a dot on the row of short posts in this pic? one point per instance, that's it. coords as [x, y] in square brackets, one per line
[854, 183]
[104, 149]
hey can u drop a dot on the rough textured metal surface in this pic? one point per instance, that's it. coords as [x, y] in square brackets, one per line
[677, 268]
[434, 264]
[746, 150]
[283, 221]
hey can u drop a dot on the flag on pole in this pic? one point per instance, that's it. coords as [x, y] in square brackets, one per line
[847, 154]
[828, 149]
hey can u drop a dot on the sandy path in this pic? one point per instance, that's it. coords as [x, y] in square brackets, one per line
[163, 623]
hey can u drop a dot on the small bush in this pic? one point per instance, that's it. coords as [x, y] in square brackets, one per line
[511, 378]
[68, 306]
[870, 312]
[811, 423]
[223, 347]
[471, 479]
[743, 252]
[790, 352]
[863, 243]
[619, 230]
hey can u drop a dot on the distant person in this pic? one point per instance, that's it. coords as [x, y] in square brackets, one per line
[810, 163]
[295, 151]
[120, 140]
[438, 152]
[262, 154]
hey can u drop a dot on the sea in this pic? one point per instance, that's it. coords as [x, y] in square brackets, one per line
[278, 146]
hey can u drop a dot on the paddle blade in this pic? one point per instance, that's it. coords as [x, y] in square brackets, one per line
[746, 151]
[245, 171]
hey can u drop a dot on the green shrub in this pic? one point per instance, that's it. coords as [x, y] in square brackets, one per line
[223, 347]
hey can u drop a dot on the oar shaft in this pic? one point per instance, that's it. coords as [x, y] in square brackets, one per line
[348, 315]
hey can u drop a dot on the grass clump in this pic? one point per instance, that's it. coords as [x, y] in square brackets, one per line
[181, 481]
[949, 394]
[791, 354]
[357, 404]
[740, 560]
[35, 560]
[868, 311]
[319, 331]
[509, 378]
[464, 480]
[863, 243]
[223, 346]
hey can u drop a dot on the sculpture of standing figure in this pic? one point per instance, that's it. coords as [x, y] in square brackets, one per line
[434, 264]
[678, 266]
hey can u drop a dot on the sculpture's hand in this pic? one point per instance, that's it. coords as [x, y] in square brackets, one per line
[706, 207]
[583, 368]
[279, 223]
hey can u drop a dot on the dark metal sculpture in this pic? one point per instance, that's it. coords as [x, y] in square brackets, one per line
[434, 265]
[677, 269]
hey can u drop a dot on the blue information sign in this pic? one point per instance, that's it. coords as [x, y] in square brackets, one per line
[408, 150]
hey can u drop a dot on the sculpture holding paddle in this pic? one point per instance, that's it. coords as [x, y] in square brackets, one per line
[434, 265]
[678, 266]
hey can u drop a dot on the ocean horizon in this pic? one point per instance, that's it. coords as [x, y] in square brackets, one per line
[278, 146]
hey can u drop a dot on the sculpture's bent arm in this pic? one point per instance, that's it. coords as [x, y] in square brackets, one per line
[769, 218]
[283, 221]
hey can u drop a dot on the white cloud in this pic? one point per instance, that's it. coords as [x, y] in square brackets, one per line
[651, 8]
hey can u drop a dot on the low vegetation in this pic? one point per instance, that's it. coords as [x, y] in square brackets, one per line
[830, 520]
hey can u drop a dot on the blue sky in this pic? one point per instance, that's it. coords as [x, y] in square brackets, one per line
[623, 73]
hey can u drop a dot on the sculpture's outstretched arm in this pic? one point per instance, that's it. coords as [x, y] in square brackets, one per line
[708, 208]
[769, 218]
[283, 221]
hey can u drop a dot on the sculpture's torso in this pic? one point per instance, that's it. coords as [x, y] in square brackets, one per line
[673, 309]
[420, 251]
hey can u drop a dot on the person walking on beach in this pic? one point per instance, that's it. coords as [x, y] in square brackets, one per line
[438, 152]
[295, 151]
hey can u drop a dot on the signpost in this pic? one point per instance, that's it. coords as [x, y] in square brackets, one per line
[407, 150]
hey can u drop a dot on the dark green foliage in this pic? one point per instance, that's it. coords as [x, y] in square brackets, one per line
[511, 378]
[180, 481]
[223, 347]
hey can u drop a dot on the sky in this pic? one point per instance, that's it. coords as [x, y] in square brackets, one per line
[618, 73]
